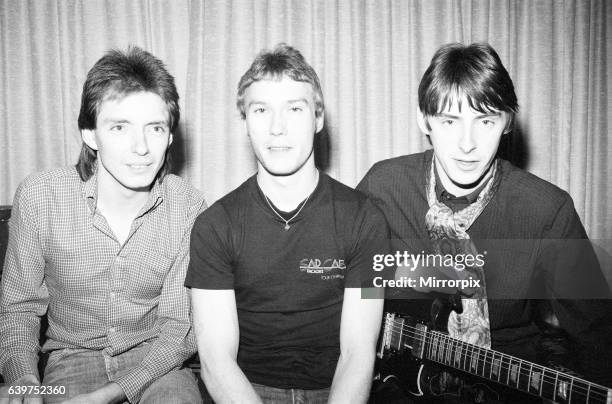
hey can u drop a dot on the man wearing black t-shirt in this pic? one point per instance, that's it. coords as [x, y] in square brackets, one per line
[460, 200]
[277, 265]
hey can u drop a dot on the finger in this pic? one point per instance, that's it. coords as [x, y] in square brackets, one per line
[33, 400]
[16, 400]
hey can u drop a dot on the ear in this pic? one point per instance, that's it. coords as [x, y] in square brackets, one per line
[89, 138]
[170, 139]
[509, 124]
[244, 125]
[320, 122]
[422, 122]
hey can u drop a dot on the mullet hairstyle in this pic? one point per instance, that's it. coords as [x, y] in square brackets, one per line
[282, 61]
[116, 75]
[473, 71]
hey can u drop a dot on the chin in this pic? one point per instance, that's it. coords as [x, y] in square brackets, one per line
[467, 182]
[280, 170]
[140, 184]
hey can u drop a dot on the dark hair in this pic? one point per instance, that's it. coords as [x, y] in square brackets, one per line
[116, 75]
[283, 60]
[475, 71]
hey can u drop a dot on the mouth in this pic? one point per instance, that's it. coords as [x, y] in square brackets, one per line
[139, 166]
[467, 165]
[279, 148]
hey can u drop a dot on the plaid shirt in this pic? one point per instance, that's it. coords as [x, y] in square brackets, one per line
[63, 259]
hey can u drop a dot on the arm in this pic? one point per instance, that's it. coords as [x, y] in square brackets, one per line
[579, 294]
[176, 342]
[359, 329]
[215, 320]
[23, 294]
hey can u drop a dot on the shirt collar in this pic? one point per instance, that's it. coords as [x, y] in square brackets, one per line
[89, 191]
[443, 195]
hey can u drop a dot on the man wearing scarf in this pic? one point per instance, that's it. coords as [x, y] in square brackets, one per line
[460, 200]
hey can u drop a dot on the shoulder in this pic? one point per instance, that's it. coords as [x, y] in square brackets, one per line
[182, 195]
[400, 174]
[528, 189]
[402, 165]
[229, 206]
[355, 206]
[39, 186]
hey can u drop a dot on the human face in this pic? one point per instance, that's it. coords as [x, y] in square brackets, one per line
[281, 123]
[464, 143]
[131, 138]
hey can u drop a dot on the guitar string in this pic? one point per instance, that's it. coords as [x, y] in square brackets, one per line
[551, 380]
[575, 388]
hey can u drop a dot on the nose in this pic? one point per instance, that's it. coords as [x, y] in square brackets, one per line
[140, 145]
[466, 140]
[277, 126]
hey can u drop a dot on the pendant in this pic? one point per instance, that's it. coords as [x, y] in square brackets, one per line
[287, 227]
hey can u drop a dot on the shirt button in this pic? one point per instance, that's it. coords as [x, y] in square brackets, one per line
[112, 295]
[112, 329]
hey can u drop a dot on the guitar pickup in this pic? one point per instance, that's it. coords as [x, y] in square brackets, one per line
[400, 334]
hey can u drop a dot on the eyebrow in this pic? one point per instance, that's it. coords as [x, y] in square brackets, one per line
[158, 123]
[115, 120]
[489, 114]
[445, 115]
[121, 120]
[480, 116]
[297, 100]
[251, 103]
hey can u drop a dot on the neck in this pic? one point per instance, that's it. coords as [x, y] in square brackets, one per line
[457, 190]
[116, 200]
[286, 192]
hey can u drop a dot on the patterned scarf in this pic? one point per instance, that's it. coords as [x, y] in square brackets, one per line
[448, 234]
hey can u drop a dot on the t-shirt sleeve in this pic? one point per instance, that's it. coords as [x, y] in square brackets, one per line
[370, 238]
[210, 263]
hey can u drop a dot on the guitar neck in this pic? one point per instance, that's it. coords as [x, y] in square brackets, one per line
[511, 371]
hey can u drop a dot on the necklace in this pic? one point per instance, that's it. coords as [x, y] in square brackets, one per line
[287, 226]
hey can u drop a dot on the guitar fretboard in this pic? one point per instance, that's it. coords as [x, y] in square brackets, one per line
[508, 370]
[511, 371]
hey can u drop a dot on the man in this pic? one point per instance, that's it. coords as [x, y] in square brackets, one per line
[523, 232]
[102, 249]
[281, 259]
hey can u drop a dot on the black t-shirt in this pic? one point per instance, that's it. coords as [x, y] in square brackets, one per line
[289, 284]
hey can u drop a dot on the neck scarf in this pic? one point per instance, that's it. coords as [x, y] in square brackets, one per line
[448, 234]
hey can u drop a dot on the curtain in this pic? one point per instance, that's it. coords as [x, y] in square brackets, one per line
[369, 54]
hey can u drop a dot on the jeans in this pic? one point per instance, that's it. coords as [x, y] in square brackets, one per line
[83, 371]
[272, 395]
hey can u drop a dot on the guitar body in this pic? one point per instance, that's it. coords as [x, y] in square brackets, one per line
[419, 362]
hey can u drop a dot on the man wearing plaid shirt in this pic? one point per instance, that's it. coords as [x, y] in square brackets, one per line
[102, 249]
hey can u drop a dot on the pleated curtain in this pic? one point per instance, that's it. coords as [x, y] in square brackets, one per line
[369, 54]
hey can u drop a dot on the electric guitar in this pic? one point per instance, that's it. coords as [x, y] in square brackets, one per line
[404, 339]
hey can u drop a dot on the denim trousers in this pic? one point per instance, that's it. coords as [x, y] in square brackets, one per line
[83, 371]
[273, 395]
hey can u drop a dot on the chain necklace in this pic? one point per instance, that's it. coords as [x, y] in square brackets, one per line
[287, 226]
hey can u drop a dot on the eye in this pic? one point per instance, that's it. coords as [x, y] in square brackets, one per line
[259, 110]
[159, 129]
[117, 128]
[447, 122]
[296, 109]
[488, 122]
